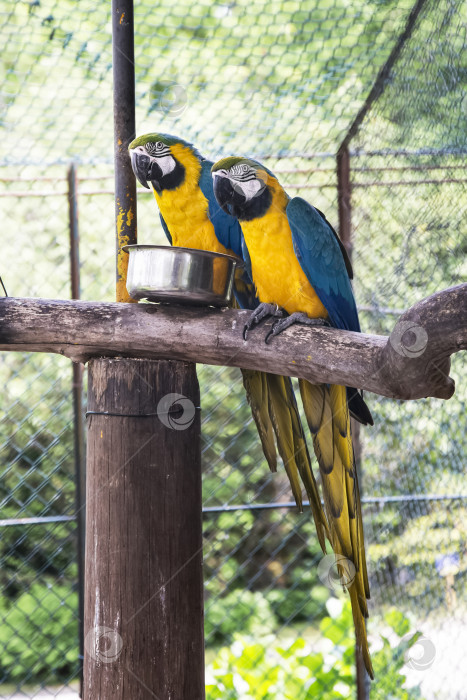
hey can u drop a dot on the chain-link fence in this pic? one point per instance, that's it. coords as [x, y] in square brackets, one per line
[288, 82]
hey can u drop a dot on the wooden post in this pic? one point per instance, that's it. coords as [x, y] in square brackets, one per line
[144, 587]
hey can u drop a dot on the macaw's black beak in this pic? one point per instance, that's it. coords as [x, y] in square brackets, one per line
[228, 197]
[222, 188]
[140, 165]
[146, 170]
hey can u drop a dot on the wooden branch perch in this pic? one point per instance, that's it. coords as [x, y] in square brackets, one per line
[412, 363]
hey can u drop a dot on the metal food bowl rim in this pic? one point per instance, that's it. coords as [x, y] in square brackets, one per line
[175, 249]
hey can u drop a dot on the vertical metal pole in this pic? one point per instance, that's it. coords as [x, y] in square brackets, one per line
[363, 679]
[344, 205]
[344, 194]
[344, 198]
[78, 418]
[124, 133]
[382, 79]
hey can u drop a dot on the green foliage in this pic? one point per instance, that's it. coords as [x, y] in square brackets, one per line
[38, 635]
[298, 604]
[239, 610]
[266, 670]
[388, 662]
[269, 573]
[37, 471]
[261, 667]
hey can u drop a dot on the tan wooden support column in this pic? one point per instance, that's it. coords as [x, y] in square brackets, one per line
[144, 586]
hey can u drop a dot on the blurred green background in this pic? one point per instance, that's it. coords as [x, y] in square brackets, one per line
[282, 81]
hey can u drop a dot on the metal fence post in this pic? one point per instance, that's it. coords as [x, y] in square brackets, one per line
[124, 132]
[344, 194]
[78, 418]
[344, 198]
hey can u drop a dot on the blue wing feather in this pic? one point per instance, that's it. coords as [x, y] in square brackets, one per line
[246, 258]
[321, 259]
[244, 288]
[166, 228]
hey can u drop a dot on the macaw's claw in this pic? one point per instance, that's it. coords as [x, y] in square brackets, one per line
[259, 314]
[297, 317]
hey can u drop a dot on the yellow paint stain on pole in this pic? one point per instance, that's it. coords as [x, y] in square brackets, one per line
[125, 217]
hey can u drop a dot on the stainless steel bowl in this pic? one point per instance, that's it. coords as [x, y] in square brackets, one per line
[180, 275]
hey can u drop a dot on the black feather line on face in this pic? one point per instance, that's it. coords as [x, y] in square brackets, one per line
[158, 150]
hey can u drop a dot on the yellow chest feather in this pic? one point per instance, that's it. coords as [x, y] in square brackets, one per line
[277, 274]
[187, 220]
[185, 209]
[186, 216]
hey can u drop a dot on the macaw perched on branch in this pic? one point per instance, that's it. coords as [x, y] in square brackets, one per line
[302, 275]
[191, 217]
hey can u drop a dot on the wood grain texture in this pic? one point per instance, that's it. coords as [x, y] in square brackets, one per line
[144, 588]
[412, 363]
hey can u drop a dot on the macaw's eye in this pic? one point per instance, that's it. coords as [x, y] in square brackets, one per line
[245, 168]
[159, 145]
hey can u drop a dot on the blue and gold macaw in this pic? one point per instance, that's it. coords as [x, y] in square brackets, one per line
[299, 267]
[191, 217]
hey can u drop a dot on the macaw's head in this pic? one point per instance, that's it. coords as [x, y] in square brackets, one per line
[243, 187]
[161, 160]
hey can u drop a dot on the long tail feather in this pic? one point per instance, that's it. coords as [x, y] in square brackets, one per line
[292, 447]
[360, 631]
[256, 389]
[303, 461]
[328, 417]
[275, 412]
[279, 411]
[358, 408]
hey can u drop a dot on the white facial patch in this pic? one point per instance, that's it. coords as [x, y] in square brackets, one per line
[249, 188]
[166, 164]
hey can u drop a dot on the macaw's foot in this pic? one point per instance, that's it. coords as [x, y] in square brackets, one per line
[260, 313]
[297, 317]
